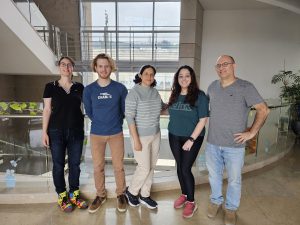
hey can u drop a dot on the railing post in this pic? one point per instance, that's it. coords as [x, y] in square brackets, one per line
[57, 41]
[44, 35]
[67, 44]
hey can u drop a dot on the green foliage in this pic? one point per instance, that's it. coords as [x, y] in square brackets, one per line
[30, 108]
[290, 89]
[3, 108]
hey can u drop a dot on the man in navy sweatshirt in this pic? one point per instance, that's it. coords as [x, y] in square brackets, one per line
[104, 103]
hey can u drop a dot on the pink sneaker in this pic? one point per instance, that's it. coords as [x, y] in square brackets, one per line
[179, 203]
[189, 209]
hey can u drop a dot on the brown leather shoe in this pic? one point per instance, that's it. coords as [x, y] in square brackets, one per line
[121, 203]
[213, 210]
[230, 217]
[98, 201]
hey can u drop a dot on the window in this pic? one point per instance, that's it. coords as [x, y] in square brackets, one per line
[135, 14]
[135, 33]
[103, 14]
[167, 14]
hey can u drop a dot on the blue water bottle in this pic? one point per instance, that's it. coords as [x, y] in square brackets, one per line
[10, 179]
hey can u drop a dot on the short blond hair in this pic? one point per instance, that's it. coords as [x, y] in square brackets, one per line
[104, 56]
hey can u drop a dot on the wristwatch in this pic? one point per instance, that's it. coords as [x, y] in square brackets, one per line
[191, 139]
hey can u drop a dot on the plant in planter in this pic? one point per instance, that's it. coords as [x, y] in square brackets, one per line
[27, 108]
[290, 92]
[4, 108]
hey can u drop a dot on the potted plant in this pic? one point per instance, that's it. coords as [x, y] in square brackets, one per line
[290, 92]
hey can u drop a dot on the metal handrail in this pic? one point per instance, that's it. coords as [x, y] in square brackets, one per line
[20, 116]
[154, 47]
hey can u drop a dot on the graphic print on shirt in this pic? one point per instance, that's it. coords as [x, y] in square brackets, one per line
[104, 95]
[181, 106]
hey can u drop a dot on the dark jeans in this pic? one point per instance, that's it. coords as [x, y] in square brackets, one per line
[185, 161]
[60, 141]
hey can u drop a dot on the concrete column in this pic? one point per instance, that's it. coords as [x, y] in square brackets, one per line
[191, 25]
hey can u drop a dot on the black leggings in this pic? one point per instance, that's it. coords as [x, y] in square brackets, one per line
[185, 161]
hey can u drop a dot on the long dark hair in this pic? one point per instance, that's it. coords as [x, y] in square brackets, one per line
[137, 78]
[193, 89]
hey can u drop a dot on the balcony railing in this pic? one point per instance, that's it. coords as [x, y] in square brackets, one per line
[21, 148]
[158, 45]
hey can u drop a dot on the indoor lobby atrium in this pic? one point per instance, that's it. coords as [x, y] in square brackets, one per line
[263, 36]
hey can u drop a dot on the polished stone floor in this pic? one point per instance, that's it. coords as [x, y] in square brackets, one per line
[270, 196]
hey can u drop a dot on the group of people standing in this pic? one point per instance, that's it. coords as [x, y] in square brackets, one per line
[107, 103]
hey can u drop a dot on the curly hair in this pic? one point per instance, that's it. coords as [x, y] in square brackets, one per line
[104, 56]
[193, 89]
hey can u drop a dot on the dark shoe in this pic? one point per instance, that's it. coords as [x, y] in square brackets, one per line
[64, 202]
[133, 200]
[98, 201]
[212, 210]
[76, 200]
[230, 217]
[149, 202]
[121, 203]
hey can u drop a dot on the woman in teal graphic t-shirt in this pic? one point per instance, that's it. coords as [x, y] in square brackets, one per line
[188, 110]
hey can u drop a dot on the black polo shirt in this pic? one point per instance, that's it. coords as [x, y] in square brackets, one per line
[65, 107]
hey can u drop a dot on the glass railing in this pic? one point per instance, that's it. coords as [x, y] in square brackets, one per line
[21, 148]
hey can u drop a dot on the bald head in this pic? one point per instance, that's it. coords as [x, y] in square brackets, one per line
[227, 58]
[225, 68]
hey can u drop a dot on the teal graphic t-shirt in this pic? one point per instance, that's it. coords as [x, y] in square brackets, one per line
[184, 118]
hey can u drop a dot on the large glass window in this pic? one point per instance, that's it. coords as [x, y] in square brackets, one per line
[125, 44]
[167, 14]
[102, 33]
[104, 42]
[166, 46]
[135, 13]
[142, 46]
[134, 33]
[127, 78]
[103, 14]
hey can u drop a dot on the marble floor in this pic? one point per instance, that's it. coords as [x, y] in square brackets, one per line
[270, 196]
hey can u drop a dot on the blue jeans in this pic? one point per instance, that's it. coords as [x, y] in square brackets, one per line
[60, 141]
[218, 157]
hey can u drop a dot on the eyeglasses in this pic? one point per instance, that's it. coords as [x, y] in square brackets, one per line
[69, 65]
[225, 64]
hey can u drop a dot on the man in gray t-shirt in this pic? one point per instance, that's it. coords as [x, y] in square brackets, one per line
[230, 101]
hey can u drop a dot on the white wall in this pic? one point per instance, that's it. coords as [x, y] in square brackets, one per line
[259, 40]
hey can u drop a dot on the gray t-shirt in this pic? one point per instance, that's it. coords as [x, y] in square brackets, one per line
[229, 109]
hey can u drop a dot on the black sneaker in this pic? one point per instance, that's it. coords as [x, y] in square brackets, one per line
[132, 199]
[149, 202]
